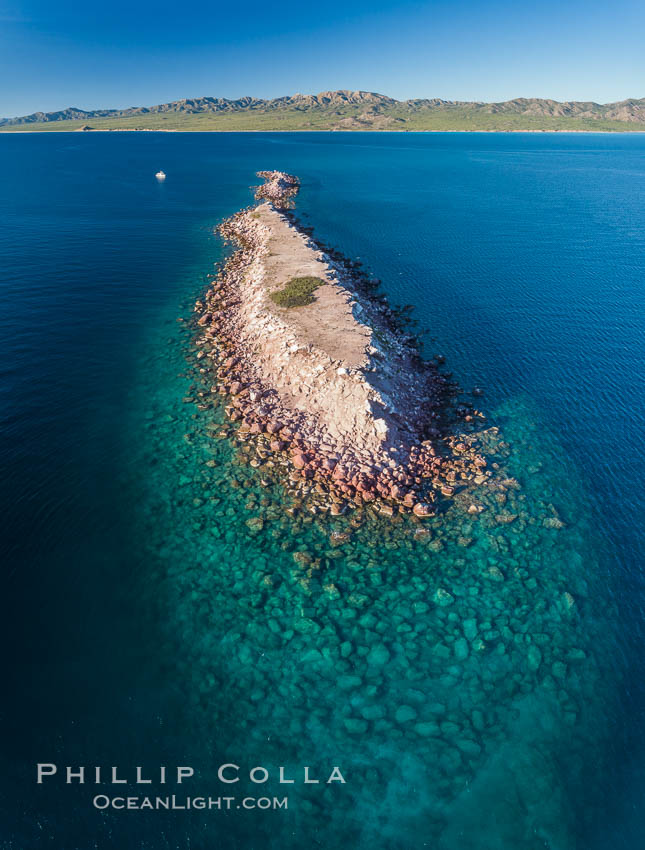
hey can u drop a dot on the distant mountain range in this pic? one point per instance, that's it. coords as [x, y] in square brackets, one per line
[345, 110]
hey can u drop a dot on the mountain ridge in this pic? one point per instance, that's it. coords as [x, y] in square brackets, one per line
[347, 109]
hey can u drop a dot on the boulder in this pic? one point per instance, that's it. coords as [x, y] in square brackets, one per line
[534, 657]
[378, 655]
[299, 460]
[442, 598]
[405, 713]
[426, 729]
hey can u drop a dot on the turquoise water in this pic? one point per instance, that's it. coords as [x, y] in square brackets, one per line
[163, 607]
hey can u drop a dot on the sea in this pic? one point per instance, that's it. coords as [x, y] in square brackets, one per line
[478, 684]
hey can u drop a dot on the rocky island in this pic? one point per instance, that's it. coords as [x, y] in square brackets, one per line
[320, 371]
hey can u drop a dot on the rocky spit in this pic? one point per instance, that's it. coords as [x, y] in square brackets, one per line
[437, 635]
[336, 388]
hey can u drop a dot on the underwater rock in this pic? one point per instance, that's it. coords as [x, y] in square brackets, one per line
[470, 628]
[426, 729]
[469, 748]
[306, 626]
[461, 649]
[378, 655]
[348, 682]
[552, 522]
[534, 657]
[355, 726]
[442, 597]
[404, 714]
[505, 519]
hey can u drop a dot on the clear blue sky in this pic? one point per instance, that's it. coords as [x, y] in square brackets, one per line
[117, 53]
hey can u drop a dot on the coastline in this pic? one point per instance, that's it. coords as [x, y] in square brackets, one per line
[348, 132]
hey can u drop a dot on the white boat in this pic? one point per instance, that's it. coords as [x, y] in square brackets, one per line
[160, 175]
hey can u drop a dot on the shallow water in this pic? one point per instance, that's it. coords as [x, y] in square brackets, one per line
[149, 623]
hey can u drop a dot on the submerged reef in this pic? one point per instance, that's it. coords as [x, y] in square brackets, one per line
[411, 600]
[320, 371]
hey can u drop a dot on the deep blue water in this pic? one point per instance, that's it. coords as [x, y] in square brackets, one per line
[524, 256]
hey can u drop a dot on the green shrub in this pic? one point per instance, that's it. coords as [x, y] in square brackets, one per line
[298, 292]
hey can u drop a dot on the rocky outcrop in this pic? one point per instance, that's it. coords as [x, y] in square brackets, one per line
[278, 188]
[337, 386]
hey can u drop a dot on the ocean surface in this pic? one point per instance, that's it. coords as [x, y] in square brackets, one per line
[160, 607]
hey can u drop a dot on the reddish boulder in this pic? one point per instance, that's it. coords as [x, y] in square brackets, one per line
[299, 460]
